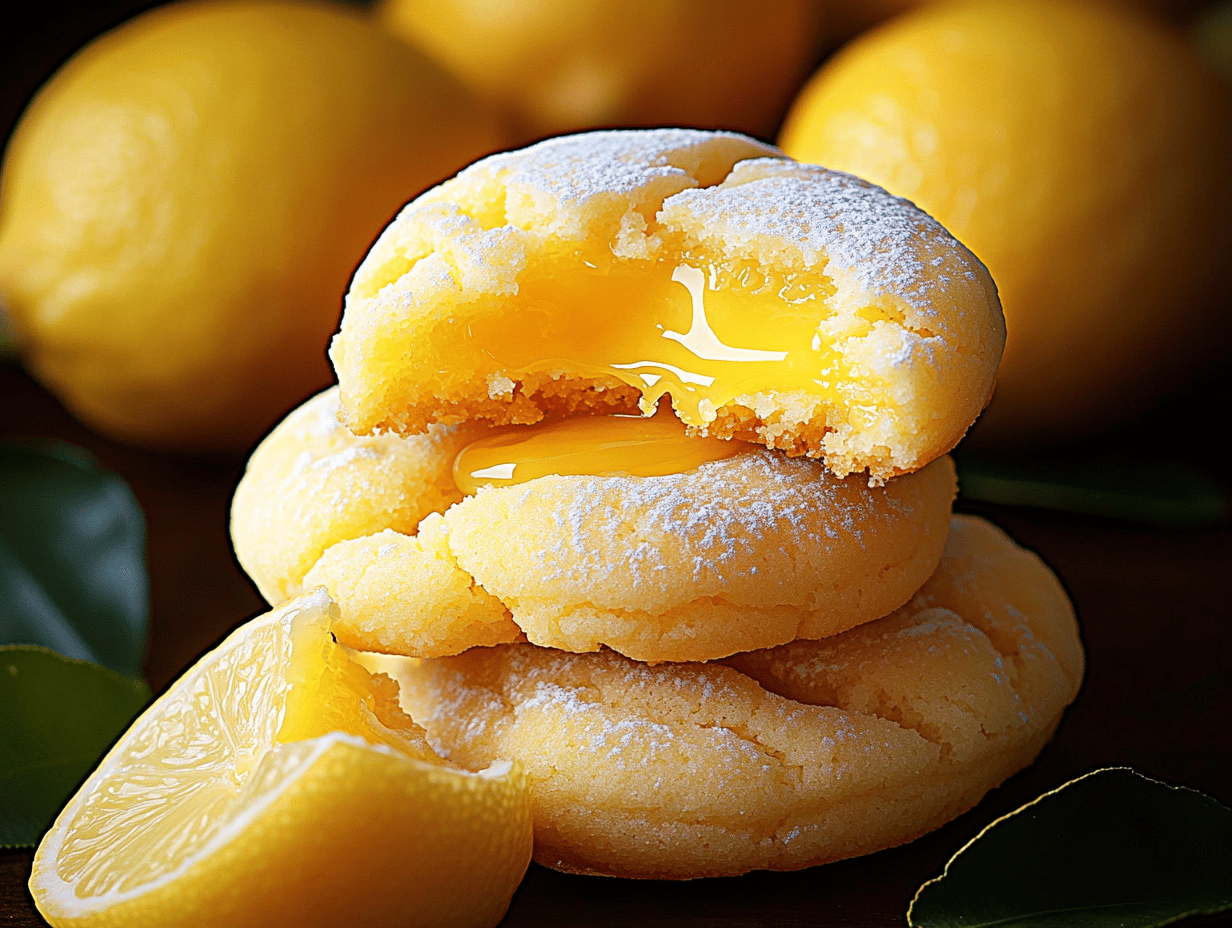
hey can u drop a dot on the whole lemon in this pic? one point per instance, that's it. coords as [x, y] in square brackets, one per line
[565, 65]
[182, 206]
[847, 18]
[1083, 154]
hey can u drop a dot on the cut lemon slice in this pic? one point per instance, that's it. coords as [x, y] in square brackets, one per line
[278, 783]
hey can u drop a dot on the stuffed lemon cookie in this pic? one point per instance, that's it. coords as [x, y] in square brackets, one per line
[787, 758]
[591, 531]
[312, 482]
[777, 302]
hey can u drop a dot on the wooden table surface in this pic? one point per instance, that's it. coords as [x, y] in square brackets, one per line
[1155, 612]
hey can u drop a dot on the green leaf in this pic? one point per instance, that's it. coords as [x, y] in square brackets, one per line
[72, 557]
[57, 718]
[1112, 848]
[1165, 493]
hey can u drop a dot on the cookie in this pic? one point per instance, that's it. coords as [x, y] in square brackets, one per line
[748, 550]
[311, 482]
[780, 759]
[776, 302]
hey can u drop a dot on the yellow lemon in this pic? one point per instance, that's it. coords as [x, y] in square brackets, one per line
[565, 65]
[1082, 154]
[182, 206]
[847, 18]
[278, 783]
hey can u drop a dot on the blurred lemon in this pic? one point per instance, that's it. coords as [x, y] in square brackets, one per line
[848, 18]
[183, 204]
[278, 783]
[1082, 154]
[565, 65]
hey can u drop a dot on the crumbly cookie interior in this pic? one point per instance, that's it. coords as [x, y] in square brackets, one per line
[774, 302]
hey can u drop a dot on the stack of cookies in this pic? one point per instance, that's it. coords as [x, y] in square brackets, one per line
[639, 449]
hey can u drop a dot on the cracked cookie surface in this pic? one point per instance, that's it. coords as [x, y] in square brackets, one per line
[312, 482]
[776, 302]
[778, 759]
[746, 552]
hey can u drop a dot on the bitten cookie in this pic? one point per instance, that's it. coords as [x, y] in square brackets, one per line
[687, 770]
[776, 302]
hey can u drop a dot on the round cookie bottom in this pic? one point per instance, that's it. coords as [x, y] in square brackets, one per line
[898, 816]
[692, 770]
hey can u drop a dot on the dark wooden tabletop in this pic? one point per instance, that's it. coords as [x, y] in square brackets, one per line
[1156, 614]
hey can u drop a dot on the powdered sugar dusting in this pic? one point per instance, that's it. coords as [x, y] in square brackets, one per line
[907, 314]
[741, 553]
[780, 210]
[322, 417]
[573, 170]
[606, 736]
[721, 517]
[621, 714]
[348, 456]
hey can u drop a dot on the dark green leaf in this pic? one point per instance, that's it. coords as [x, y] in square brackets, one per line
[1112, 848]
[57, 717]
[72, 557]
[1151, 492]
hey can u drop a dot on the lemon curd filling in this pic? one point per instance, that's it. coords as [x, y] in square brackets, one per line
[702, 332]
[640, 446]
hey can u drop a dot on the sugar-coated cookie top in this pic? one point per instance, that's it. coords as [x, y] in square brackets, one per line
[795, 215]
[697, 562]
[773, 301]
[311, 482]
[560, 186]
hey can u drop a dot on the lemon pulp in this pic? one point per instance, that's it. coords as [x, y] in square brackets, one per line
[230, 723]
[640, 446]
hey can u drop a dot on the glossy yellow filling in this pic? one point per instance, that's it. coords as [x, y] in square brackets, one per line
[640, 446]
[701, 332]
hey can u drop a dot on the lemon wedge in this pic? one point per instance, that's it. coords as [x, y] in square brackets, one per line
[278, 783]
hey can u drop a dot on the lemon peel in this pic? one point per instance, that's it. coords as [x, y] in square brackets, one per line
[204, 813]
[184, 202]
[1086, 167]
